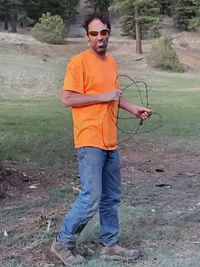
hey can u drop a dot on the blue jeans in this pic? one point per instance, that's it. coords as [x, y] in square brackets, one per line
[101, 190]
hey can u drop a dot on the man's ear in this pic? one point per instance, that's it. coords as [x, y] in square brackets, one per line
[87, 36]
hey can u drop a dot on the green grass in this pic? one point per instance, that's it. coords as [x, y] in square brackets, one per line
[25, 75]
[188, 262]
[53, 197]
[175, 97]
[57, 195]
[35, 128]
[39, 130]
[33, 125]
[15, 264]
[162, 246]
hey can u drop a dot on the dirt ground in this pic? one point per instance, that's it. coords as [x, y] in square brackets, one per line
[165, 181]
[187, 46]
[149, 176]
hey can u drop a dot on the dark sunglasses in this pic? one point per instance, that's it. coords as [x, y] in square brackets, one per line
[104, 32]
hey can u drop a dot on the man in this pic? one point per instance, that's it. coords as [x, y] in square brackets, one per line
[91, 89]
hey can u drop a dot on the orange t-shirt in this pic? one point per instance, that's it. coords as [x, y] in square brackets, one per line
[94, 125]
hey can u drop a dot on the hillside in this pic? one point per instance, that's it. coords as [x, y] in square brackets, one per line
[159, 160]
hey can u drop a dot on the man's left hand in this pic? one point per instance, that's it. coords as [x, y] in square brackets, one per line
[142, 112]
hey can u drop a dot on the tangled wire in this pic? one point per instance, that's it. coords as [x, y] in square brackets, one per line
[141, 88]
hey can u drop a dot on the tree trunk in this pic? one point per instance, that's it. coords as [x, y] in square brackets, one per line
[6, 19]
[13, 20]
[110, 11]
[138, 49]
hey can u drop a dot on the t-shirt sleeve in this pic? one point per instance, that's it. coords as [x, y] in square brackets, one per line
[73, 80]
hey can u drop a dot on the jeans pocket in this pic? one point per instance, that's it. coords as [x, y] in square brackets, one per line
[80, 152]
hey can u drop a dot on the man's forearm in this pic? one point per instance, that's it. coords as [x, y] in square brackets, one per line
[79, 100]
[124, 104]
[138, 111]
[73, 99]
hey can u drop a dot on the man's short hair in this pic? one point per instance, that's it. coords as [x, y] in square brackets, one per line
[91, 17]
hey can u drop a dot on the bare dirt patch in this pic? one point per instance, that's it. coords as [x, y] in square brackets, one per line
[11, 181]
[164, 182]
[25, 43]
[187, 43]
[191, 59]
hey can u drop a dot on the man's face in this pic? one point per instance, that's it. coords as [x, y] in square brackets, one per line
[99, 42]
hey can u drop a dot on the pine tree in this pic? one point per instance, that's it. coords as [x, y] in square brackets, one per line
[99, 6]
[32, 10]
[184, 11]
[65, 8]
[165, 7]
[9, 9]
[194, 23]
[139, 18]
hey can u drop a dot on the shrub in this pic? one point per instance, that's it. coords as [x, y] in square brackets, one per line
[163, 55]
[194, 23]
[49, 29]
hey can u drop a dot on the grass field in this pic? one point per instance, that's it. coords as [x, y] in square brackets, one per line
[39, 129]
[35, 130]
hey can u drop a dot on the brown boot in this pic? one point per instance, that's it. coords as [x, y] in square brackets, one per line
[118, 253]
[66, 255]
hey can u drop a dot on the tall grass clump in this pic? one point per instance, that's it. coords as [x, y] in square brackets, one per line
[194, 23]
[163, 55]
[49, 29]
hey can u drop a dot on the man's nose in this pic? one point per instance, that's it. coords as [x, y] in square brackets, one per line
[100, 37]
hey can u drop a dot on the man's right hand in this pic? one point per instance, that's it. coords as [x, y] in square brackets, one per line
[112, 95]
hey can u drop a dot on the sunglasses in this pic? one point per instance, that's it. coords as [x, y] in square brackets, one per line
[104, 32]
